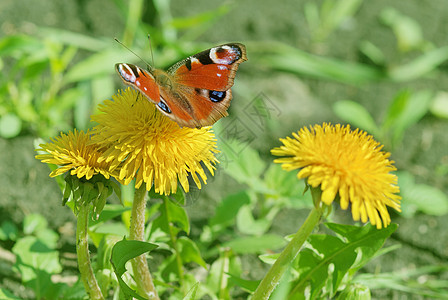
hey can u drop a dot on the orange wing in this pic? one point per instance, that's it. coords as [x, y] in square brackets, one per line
[213, 69]
[195, 92]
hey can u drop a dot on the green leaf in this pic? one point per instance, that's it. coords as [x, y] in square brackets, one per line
[245, 166]
[325, 250]
[168, 269]
[105, 251]
[406, 110]
[372, 52]
[114, 228]
[269, 258]
[198, 19]
[109, 212]
[19, 44]
[98, 64]
[176, 214]
[355, 114]
[191, 295]
[420, 66]
[8, 231]
[286, 188]
[74, 292]
[421, 197]
[78, 40]
[359, 237]
[439, 107]
[256, 244]
[7, 295]
[189, 252]
[355, 292]
[247, 285]
[410, 282]
[248, 225]
[10, 126]
[125, 250]
[122, 252]
[34, 256]
[396, 108]
[179, 196]
[228, 208]
[286, 58]
[220, 270]
[407, 31]
[330, 16]
[83, 106]
[34, 223]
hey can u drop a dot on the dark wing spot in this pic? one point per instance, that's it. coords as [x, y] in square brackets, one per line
[204, 57]
[133, 68]
[188, 64]
[237, 50]
[216, 96]
[221, 51]
[163, 106]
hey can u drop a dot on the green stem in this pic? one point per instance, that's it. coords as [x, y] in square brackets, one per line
[82, 250]
[142, 276]
[132, 21]
[223, 280]
[272, 278]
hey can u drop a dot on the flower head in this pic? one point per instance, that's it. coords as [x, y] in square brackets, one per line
[346, 163]
[144, 144]
[73, 152]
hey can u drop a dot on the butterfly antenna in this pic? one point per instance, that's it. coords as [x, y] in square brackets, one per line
[150, 48]
[118, 41]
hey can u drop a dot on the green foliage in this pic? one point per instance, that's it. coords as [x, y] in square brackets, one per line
[405, 110]
[421, 197]
[329, 16]
[326, 262]
[7, 295]
[285, 58]
[407, 31]
[423, 281]
[37, 261]
[122, 252]
[51, 82]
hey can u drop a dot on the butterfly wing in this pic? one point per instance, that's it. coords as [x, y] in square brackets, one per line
[194, 92]
[191, 107]
[212, 69]
[205, 79]
[140, 79]
[171, 102]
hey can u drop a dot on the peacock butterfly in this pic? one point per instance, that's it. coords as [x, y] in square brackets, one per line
[194, 92]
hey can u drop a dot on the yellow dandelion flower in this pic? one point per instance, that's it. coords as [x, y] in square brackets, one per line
[344, 163]
[146, 145]
[73, 152]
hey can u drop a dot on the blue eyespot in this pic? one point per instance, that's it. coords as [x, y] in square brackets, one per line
[162, 105]
[216, 96]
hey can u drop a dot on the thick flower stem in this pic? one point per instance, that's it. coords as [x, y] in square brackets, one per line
[82, 250]
[274, 275]
[142, 276]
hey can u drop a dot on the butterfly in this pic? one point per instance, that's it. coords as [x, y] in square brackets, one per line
[194, 92]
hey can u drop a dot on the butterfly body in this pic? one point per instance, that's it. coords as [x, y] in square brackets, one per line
[194, 92]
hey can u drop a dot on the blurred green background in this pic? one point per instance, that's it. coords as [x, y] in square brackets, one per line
[377, 65]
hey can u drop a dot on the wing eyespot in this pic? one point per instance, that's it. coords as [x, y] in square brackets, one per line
[127, 72]
[217, 96]
[163, 106]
